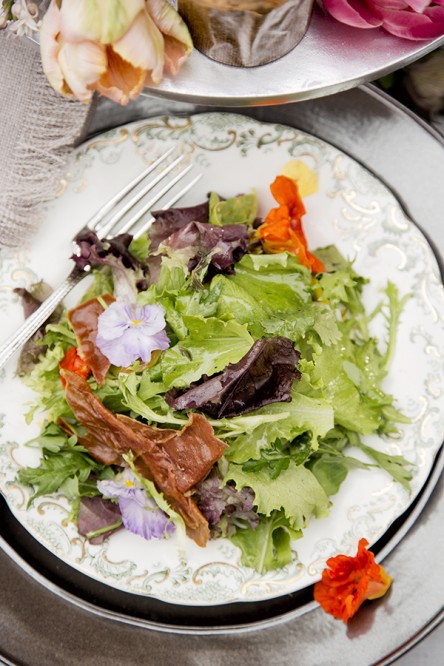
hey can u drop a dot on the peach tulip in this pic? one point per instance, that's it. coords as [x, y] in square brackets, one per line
[113, 46]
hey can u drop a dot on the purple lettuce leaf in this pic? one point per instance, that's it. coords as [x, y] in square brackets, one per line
[166, 222]
[225, 507]
[217, 247]
[113, 252]
[95, 252]
[264, 375]
[221, 247]
[97, 513]
[33, 349]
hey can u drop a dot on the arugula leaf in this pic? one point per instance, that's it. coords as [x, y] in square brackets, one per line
[51, 438]
[65, 466]
[55, 469]
[277, 458]
[397, 466]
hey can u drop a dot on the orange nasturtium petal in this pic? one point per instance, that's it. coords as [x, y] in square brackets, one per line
[349, 581]
[286, 192]
[72, 361]
[282, 230]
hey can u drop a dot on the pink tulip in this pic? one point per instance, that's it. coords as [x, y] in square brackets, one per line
[411, 19]
[113, 46]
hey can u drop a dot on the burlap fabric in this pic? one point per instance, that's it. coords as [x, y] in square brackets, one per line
[38, 129]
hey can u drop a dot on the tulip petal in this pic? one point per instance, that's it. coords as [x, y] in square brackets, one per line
[82, 64]
[103, 21]
[116, 17]
[121, 82]
[80, 20]
[49, 48]
[142, 46]
[352, 12]
[178, 42]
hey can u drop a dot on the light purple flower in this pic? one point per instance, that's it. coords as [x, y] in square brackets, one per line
[140, 513]
[127, 332]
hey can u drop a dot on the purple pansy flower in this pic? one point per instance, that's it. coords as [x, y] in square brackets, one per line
[140, 513]
[127, 332]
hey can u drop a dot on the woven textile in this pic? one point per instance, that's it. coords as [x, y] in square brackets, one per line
[38, 129]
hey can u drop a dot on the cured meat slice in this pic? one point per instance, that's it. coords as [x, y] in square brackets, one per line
[152, 458]
[192, 450]
[83, 319]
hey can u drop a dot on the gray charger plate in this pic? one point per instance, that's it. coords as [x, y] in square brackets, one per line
[45, 608]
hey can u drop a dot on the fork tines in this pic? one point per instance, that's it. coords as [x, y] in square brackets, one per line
[113, 219]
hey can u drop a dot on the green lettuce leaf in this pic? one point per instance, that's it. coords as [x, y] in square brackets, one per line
[235, 210]
[65, 466]
[277, 281]
[296, 491]
[211, 344]
[268, 546]
[249, 434]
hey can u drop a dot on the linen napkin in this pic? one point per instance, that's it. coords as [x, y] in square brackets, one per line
[38, 129]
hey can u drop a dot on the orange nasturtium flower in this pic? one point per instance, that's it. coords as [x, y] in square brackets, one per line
[282, 230]
[72, 361]
[349, 581]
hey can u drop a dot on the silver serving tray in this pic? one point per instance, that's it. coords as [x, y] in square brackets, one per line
[330, 58]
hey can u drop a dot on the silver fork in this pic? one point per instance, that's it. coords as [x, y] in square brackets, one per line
[103, 223]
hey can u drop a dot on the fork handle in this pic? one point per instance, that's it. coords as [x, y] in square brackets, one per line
[38, 318]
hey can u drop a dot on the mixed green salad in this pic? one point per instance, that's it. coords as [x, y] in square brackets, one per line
[217, 379]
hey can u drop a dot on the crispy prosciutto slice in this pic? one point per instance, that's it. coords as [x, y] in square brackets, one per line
[192, 450]
[83, 319]
[169, 458]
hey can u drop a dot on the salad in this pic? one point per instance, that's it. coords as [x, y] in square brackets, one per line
[215, 381]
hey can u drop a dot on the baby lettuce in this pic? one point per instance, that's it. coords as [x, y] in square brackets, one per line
[285, 505]
[286, 455]
[264, 375]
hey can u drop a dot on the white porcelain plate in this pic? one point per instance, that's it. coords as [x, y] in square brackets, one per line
[351, 209]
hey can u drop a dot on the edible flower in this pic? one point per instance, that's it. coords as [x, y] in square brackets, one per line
[115, 47]
[282, 230]
[349, 581]
[140, 513]
[74, 362]
[127, 332]
[410, 19]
